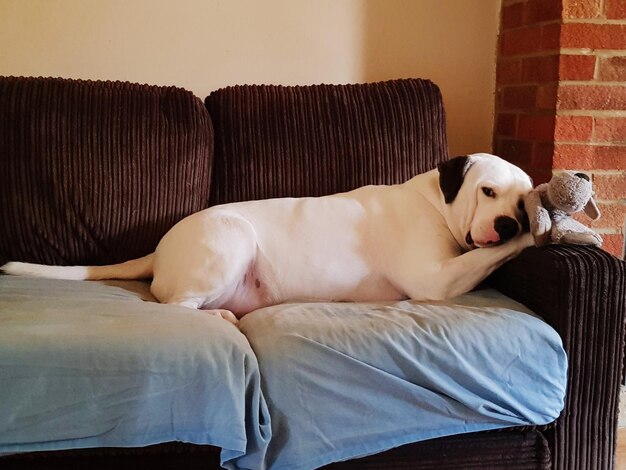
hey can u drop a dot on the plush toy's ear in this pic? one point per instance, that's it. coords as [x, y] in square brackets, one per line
[451, 175]
[591, 209]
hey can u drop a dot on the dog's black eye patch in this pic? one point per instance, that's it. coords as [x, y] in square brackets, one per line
[489, 192]
[451, 175]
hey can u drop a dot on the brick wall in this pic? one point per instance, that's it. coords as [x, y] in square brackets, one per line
[561, 97]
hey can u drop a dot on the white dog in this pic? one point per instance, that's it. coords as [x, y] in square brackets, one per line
[414, 240]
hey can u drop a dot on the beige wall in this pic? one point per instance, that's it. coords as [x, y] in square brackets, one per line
[206, 44]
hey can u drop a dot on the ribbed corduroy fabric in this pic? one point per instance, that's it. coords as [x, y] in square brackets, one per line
[581, 292]
[281, 141]
[97, 172]
[493, 451]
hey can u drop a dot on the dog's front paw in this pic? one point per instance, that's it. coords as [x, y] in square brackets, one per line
[526, 240]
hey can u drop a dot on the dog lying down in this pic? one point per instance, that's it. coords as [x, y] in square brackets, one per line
[436, 236]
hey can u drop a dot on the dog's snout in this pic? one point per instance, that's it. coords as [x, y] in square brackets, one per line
[506, 227]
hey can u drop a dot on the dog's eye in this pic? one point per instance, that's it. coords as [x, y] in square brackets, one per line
[489, 192]
[520, 205]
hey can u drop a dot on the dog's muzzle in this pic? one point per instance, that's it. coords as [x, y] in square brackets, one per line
[506, 228]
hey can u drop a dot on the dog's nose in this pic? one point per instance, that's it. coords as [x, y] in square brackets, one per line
[506, 227]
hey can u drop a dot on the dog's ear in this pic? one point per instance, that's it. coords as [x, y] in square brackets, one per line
[451, 175]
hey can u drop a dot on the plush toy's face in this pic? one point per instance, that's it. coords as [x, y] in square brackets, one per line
[570, 192]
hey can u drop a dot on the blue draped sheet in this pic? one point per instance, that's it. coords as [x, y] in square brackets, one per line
[91, 364]
[347, 380]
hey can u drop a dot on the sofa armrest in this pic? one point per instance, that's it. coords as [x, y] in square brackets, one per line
[581, 292]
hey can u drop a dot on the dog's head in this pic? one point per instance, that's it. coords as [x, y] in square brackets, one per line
[484, 197]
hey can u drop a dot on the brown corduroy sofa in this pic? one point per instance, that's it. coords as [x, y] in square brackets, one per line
[97, 172]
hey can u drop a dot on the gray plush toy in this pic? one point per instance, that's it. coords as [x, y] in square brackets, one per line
[550, 205]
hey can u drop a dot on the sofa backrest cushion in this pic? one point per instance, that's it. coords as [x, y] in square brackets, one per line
[97, 172]
[278, 141]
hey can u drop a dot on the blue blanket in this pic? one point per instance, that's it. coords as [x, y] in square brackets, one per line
[87, 364]
[91, 364]
[347, 380]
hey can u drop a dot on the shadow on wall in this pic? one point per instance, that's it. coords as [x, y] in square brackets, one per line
[451, 42]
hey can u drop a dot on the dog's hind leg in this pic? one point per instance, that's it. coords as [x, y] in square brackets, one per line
[203, 259]
[218, 312]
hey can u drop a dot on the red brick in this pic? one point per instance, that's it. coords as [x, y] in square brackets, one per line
[519, 97]
[520, 41]
[551, 37]
[515, 151]
[591, 97]
[613, 243]
[567, 156]
[512, 15]
[593, 36]
[542, 156]
[610, 130]
[581, 8]
[538, 175]
[610, 187]
[573, 128]
[536, 11]
[615, 9]
[546, 98]
[612, 216]
[498, 144]
[509, 71]
[613, 68]
[611, 158]
[531, 127]
[577, 67]
[506, 125]
[589, 157]
[541, 69]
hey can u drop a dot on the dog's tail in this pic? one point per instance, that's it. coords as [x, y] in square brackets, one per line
[140, 268]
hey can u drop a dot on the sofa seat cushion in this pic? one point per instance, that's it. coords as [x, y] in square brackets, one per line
[91, 364]
[346, 380]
